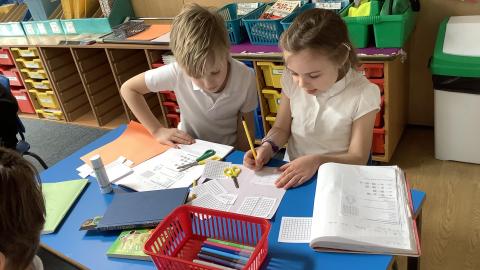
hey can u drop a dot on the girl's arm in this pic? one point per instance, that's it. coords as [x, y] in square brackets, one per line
[278, 134]
[303, 168]
[133, 92]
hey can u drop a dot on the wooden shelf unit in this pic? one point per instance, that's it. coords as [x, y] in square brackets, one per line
[99, 82]
[86, 80]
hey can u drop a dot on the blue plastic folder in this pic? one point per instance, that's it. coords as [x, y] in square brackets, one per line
[141, 209]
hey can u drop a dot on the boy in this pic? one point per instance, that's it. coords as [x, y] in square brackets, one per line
[213, 90]
[22, 212]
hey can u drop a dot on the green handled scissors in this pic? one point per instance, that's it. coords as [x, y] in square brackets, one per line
[233, 172]
[207, 154]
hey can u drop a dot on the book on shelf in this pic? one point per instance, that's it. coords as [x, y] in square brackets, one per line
[364, 209]
[280, 9]
[129, 245]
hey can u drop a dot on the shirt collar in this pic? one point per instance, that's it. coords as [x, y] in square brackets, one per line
[339, 86]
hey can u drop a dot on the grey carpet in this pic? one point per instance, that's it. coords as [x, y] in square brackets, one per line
[54, 141]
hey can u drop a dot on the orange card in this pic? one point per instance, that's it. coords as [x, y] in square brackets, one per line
[154, 31]
[135, 143]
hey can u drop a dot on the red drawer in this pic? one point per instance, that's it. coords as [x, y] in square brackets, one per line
[379, 116]
[157, 64]
[373, 70]
[173, 119]
[378, 142]
[6, 58]
[24, 103]
[171, 107]
[13, 76]
[168, 95]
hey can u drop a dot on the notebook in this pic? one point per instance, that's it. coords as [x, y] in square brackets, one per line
[129, 245]
[364, 209]
[141, 209]
[59, 198]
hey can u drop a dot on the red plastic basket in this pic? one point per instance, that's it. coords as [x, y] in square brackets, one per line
[176, 241]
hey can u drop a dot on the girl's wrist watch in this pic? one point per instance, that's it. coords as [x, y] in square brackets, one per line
[275, 147]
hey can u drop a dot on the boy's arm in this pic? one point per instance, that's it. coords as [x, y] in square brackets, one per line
[242, 141]
[133, 92]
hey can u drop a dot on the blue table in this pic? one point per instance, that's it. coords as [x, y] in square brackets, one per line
[89, 248]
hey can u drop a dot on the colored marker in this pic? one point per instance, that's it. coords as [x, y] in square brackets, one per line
[225, 255]
[225, 248]
[230, 244]
[212, 259]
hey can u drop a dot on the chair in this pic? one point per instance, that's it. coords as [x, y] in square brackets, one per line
[22, 146]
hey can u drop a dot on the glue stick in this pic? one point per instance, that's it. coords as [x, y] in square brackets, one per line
[101, 174]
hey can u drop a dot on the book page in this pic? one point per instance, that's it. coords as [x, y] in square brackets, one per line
[362, 205]
[161, 172]
[200, 146]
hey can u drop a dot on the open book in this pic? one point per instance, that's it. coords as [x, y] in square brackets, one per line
[364, 209]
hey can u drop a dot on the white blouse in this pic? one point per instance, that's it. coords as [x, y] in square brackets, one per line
[322, 123]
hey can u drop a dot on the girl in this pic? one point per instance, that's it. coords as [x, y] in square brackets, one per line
[327, 109]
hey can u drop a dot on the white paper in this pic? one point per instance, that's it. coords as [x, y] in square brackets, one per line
[211, 202]
[212, 187]
[266, 178]
[295, 230]
[248, 205]
[227, 198]
[165, 38]
[214, 169]
[160, 173]
[199, 147]
[362, 207]
[264, 207]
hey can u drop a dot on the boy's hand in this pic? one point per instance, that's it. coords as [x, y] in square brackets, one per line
[172, 136]
[298, 171]
[264, 154]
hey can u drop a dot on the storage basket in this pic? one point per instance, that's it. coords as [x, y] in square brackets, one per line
[262, 32]
[176, 241]
[233, 22]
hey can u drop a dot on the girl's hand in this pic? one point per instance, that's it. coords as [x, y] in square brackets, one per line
[298, 171]
[264, 154]
[172, 136]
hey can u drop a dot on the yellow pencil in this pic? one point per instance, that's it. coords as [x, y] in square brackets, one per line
[249, 139]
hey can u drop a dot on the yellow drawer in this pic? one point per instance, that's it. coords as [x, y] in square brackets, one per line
[50, 114]
[270, 119]
[35, 63]
[44, 85]
[46, 99]
[34, 74]
[272, 73]
[273, 99]
[30, 52]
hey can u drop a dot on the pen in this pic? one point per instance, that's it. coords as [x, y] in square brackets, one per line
[245, 127]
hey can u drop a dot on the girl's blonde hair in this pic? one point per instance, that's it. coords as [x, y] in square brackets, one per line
[198, 34]
[324, 31]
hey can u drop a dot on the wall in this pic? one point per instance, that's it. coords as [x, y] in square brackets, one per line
[421, 42]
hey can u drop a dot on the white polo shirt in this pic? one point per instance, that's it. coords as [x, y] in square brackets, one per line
[203, 115]
[322, 124]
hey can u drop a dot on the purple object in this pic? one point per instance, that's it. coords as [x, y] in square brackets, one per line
[247, 47]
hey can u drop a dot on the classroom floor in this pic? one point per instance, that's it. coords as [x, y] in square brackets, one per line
[451, 213]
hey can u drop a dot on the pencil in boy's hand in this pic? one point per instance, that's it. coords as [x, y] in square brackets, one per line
[245, 127]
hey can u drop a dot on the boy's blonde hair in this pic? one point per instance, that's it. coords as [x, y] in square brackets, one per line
[198, 34]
